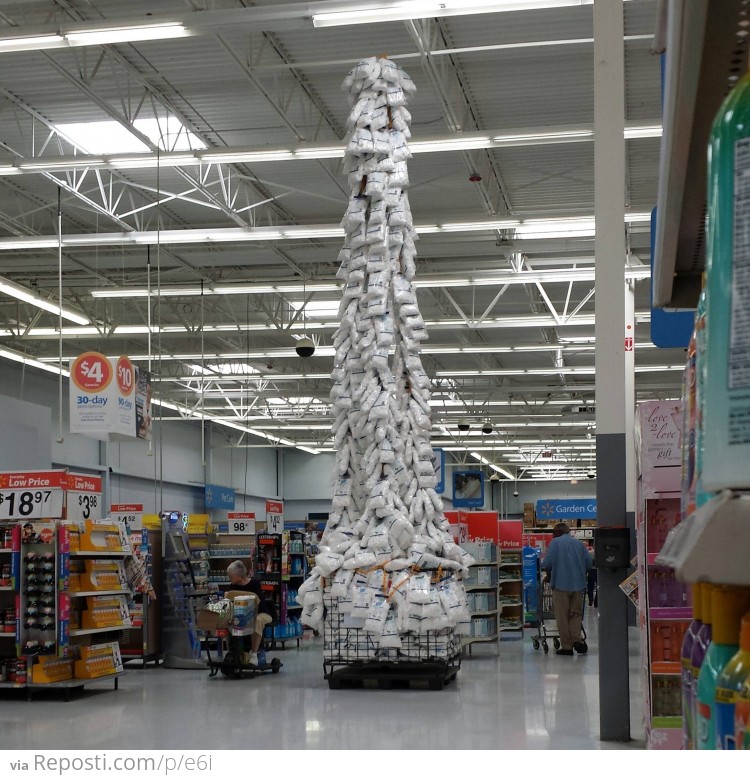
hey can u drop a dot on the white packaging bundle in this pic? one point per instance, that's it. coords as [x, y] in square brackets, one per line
[384, 490]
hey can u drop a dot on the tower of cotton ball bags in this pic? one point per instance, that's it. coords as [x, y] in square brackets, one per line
[386, 584]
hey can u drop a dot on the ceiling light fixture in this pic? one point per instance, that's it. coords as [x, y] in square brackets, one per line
[126, 34]
[30, 297]
[565, 226]
[31, 43]
[426, 9]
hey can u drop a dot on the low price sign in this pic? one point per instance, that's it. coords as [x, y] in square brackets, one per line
[129, 515]
[84, 500]
[241, 523]
[32, 495]
[274, 516]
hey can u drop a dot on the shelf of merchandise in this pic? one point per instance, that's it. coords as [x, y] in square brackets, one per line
[663, 606]
[54, 551]
[100, 554]
[510, 587]
[94, 631]
[483, 578]
[704, 48]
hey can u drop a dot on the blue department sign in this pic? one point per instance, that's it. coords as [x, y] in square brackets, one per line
[566, 509]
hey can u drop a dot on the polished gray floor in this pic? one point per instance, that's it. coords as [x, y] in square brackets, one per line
[520, 700]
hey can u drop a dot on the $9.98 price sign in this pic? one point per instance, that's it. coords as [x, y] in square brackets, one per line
[241, 523]
[27, 495]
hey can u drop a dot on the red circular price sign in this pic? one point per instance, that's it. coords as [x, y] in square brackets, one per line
[91, 372]
[124, 371]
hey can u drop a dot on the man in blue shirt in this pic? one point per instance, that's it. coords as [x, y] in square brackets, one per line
[567, 561]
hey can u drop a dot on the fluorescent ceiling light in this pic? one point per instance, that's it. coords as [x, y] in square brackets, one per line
[498, 278]
[634, 132]
[111, 137]
[425, 9]
[133, 155]
[30, 297]
[125, 34]
[566, 227]
[318, 308]
[31, 43]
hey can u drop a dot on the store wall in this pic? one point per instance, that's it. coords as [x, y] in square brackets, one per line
[172, 476]
[25, 439]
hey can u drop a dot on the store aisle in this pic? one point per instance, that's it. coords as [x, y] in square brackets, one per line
[523, 700]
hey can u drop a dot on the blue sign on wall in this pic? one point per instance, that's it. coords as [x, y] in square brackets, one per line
[468, 489]
[218, 497]
[566, 509]
[669, 328]
[439, 464]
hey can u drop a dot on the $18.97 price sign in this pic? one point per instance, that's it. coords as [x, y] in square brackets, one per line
[241, 523]
[28, 495]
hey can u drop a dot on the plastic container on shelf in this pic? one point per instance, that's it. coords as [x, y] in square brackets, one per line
[728, 604]
[687, 649]
[698, 655]
[728, 687]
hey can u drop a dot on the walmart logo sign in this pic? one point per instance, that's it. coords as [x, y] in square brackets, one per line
[566, 508]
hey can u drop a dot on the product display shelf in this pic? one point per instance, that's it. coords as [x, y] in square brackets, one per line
[45, 649]
[10, 538]
[664, 610]
[181, 602]
[224, 549]
[510, 591]
[199, 558]
[143, 640]
[481, 586]
[94, 631]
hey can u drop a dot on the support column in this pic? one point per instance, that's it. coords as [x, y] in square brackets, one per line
[612, 404]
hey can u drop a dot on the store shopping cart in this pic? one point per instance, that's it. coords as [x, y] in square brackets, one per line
[543, 618]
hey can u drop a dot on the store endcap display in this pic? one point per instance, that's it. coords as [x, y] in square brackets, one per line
[387, 561]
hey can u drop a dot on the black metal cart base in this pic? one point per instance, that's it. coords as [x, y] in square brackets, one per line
[387, 676]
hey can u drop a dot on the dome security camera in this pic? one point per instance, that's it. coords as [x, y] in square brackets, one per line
[494, 477]
[487, 428]
[591, 475]
[515, 493]
[464, 424]
[305, 347]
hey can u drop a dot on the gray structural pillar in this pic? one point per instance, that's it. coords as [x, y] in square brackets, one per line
[614, 380]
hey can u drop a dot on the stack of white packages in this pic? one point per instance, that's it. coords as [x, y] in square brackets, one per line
[388, 567]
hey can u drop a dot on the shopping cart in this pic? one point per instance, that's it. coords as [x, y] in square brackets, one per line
[543, 618]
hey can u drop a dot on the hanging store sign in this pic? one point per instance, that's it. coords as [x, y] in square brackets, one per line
[468, 489]
[439, 464]
[566, 509]
[219, 497]
[109, 396]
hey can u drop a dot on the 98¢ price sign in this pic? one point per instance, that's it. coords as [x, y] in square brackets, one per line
[241, 523]
[31, 495]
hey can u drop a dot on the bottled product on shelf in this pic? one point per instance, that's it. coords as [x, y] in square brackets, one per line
[728, 604]
[728, 688]
[698, 655]
[742, 717]
[686, 669]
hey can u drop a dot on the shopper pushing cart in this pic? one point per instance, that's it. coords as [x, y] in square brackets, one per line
[567, 562]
